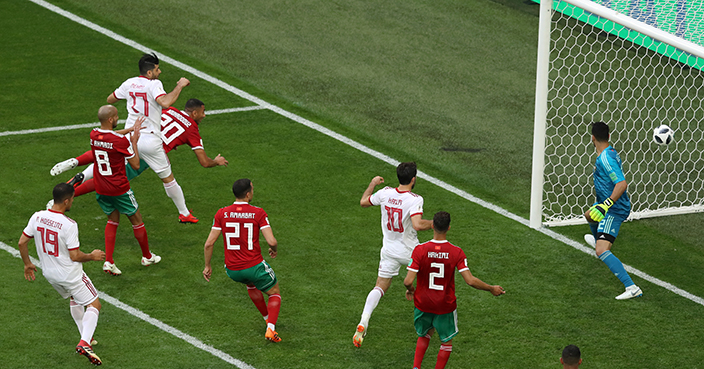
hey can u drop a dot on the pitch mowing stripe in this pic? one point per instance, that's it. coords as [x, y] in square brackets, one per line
[121, 121]
[360, 147]
[141, 315]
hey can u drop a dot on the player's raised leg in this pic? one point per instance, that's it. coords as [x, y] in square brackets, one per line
[373, 298]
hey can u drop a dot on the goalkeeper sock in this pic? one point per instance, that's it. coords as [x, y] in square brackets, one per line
[616, 266]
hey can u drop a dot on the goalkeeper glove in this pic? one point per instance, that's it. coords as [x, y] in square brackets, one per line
[598, 211]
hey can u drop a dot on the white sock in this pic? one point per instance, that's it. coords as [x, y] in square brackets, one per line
[272, 326]
[88, 173]
[372, 301]
[77, 314]
[90, 321]
[174, 191]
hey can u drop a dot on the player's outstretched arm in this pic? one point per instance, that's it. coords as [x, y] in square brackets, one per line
[208, 252]
[420, 224]
[29, 267]
[271, 241]
[125, 130]
[207, 162]
[480, 285]
[408, 282]
[169, 99]
[364, 202]
[81, 257]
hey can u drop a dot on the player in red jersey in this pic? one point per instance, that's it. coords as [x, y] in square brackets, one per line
[114, 195]
[240, 224]
[178, 127]
[434, 263]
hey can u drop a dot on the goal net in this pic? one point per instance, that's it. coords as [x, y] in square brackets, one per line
[634, 65]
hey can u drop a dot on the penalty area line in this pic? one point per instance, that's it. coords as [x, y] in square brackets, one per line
[383, 157]
[121, 121]
[145, 317]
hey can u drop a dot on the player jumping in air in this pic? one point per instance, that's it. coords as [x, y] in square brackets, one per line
[114, 195]
[434, 263]
[401, 218]
[240, 224]
[177, 128]
[145, 96]
[612, 208]
[56, 238]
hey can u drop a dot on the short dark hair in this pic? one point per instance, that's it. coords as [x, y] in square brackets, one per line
[192, 104]
[62, 191]
[241, 187]
[147, 62]
[405, 172]
[600, 131]
[441, 221]
[571, 355]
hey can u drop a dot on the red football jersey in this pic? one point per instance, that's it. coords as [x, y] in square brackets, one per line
[110, 150]
[435, 262]
[177, 128]
[240, 224]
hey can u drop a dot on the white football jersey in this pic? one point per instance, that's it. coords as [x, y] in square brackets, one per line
[141, 94]
[54, 234]
[397, 208]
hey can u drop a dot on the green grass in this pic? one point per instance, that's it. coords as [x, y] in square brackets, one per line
[399, 77]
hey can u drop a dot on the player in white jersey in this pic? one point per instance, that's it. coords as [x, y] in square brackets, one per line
[401, 218]
[146, 97]
[56, 239]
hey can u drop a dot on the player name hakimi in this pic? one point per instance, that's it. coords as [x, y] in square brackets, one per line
[239, 215]
[438, 255]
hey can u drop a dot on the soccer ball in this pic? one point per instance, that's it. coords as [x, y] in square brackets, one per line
[663, 135]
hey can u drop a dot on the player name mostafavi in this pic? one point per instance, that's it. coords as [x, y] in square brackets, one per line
[438, 255]
[104, 145]
[50, 223]
[239, 215]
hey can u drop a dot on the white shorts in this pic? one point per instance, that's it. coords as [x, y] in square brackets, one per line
[151, 150]
[82, 291]
[389, 263]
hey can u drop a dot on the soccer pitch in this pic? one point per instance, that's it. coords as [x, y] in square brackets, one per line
[59, 73]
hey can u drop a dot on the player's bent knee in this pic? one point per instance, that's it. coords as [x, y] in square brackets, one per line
[96, 304]
[273, 290]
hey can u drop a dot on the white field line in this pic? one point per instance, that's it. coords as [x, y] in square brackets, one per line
[357, 146]
[121, 121]
[141, 315]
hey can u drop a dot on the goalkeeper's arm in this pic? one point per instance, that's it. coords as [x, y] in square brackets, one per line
[597, 212]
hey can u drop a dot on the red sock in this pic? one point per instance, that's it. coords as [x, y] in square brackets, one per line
[85, 187]
[421, 347]
[86, 158]
[110, 233]
[258, 300]
[443, 355]
[141, 235]
[273, 308]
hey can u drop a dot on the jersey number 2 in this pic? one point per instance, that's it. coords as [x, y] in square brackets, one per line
[50, 238]
[439, 274]
[394, 218]
[236, 234]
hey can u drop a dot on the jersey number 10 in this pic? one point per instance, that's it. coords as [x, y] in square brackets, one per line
[394, 218]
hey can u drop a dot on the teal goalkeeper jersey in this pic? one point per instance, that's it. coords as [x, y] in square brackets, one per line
[608, 172]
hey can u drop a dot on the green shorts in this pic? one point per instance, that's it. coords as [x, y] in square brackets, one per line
[125, 203]
[444, 324]
[260, 275]
[131, 173]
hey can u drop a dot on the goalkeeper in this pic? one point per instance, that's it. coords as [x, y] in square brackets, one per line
[611, 209]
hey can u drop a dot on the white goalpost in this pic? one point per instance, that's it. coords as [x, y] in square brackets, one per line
[635, 67]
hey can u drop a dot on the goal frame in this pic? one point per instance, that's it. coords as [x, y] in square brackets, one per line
[541, 99]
